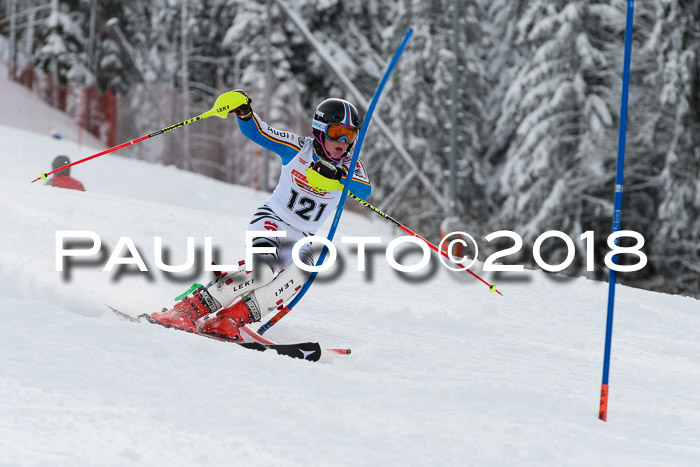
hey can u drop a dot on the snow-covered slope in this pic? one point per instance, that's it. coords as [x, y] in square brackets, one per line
[442, 372]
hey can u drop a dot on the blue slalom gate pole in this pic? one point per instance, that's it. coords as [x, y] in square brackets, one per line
[603, 413]
[346, 186]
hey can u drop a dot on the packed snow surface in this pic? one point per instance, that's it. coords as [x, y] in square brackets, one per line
[442, 371]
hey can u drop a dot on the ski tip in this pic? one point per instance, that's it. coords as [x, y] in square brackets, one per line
[341, 351]
[123, 315]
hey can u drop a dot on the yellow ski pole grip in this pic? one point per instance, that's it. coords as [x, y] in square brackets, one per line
[225, 103]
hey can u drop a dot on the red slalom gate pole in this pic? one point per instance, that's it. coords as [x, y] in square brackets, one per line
[224, 104]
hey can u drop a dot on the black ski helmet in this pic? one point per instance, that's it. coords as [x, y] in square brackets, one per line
[338, 111]
[59, 162]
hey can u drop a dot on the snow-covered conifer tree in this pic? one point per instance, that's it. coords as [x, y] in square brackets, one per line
[557, 106]
[677, 42]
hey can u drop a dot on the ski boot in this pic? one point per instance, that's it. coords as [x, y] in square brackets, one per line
[185, 313]
[252, 307]
[225, 324]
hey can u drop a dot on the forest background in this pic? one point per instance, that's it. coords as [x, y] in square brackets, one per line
[537, 107]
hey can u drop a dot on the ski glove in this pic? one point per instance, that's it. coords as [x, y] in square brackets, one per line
[243, 111]
[324, 176]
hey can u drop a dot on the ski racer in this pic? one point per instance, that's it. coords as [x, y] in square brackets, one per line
[309, 189]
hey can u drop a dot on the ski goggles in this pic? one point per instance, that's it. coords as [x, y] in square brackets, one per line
[336, 132]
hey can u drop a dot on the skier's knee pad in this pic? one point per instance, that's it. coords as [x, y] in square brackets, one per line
[278, 293]
[227, 288]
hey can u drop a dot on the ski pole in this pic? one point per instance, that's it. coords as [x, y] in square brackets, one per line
[282, 313]
[224, 104]
[492, 287]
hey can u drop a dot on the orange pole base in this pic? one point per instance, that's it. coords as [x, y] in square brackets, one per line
[603, 414]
